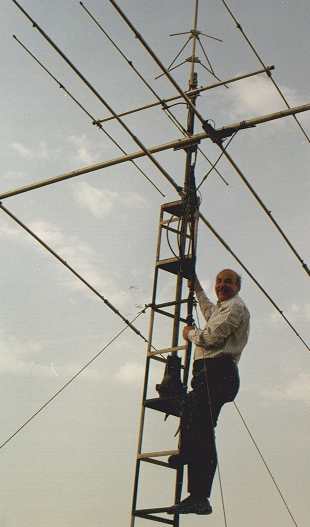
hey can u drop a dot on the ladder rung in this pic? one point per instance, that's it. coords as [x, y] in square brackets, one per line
[170, 405]
[171, 315]
[165, 225]
[168, 304]
[156, 462]
[174, 265]
[171, 220]
[157, 454]
[167, 350]
[159, 359]
[176, 208]
[145, 513]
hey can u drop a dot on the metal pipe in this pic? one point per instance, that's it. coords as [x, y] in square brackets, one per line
[157, 60]
[130, 63]
[188, 93]
[270, 117]
[194, 35]
[176, 144]
[214, 134]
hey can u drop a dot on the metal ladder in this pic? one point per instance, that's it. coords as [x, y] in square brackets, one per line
[178, 220]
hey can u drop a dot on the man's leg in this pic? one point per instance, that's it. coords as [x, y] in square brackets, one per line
[220, 384]
[202, 462]
[197, 449]
[213, 385]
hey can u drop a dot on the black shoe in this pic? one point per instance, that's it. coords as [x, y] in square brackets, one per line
[177, 460]
[191, 505]
[202, 506]
[184, 507]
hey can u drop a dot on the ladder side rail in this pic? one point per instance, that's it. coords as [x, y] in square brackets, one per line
[146, 377]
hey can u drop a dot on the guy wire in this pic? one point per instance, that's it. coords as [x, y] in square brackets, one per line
[265, 464]
[73, 271]
[64, 386]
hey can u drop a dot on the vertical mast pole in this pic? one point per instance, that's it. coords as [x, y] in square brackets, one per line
[189, 186]
[189, 220]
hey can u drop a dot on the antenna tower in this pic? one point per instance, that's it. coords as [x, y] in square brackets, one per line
[183, 213]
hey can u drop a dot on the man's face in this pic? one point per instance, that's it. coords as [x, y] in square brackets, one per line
[226, 285]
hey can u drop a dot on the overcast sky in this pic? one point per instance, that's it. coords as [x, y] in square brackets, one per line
[75, 462]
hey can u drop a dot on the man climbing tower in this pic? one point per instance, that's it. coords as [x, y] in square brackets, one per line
[215, 382]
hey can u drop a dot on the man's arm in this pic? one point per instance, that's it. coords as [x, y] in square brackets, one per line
[206, 306]
[223, 324]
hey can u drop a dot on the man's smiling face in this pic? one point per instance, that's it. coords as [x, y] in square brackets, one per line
[226, 285]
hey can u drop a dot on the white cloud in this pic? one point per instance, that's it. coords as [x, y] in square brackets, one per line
[9, 232]
[297, 389]
[100, 203]
[132, 200]
[130, 373]
[82, 257]
[18, 357]
[85, 152]
[15, 357]
[39, 152]
[258, 96]
[78, 254]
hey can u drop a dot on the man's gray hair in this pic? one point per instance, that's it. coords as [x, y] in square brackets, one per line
[238, 277]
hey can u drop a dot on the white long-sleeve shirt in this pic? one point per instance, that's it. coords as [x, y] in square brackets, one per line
[227, 327]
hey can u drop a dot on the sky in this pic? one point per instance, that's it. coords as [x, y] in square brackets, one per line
[74, 463]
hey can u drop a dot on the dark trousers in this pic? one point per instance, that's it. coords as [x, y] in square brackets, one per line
[215, 382]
